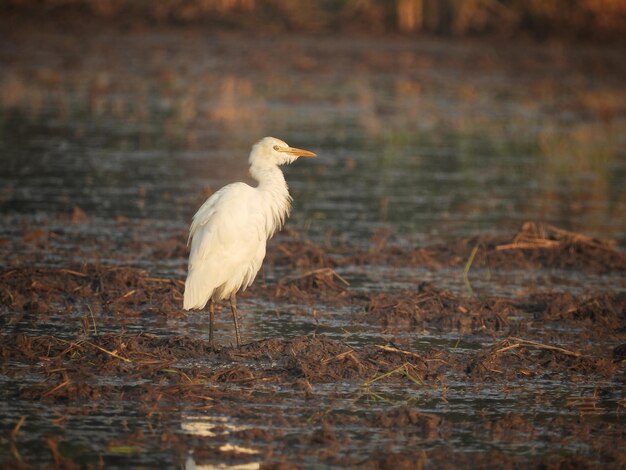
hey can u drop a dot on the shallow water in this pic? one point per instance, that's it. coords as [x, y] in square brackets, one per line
[431, 140]
[419, 139]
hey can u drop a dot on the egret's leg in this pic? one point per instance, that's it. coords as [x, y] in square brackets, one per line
[211, 315]
[233, 308]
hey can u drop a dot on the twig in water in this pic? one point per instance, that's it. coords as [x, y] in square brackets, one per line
[73, 273]
[127, 294]
[399, 351]
[201, 397]
[402, 370]
[338, 356]
[110, 353]
[93, 319]
[17, 427]
[512, 343]
[58, 387]
[467, 268]
[545, 244]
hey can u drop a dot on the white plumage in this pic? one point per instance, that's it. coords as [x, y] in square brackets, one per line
[229, 232]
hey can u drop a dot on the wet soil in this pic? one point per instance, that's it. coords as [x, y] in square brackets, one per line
[420, 377]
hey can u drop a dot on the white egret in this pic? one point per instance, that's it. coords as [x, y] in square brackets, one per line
[229, 232]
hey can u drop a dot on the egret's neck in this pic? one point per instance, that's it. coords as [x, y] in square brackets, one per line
[275, 194]
[270, 177]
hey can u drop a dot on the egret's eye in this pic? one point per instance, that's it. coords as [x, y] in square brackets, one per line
[276, 147]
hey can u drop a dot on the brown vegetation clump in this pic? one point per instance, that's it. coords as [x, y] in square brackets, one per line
[514, 358]
[539, 244]
[97, 338]
[606, 310]
[117, 290]
[536, 245]
[437, 309]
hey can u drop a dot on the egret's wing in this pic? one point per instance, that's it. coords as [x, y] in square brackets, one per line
[229, 223]
[227, 238]
[207, 210]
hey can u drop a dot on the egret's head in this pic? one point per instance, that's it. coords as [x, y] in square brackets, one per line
[273, 151]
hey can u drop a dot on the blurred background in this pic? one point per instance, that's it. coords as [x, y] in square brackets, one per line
[597, 19]
[432, 119]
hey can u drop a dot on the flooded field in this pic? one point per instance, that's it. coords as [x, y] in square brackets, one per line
[450, 288]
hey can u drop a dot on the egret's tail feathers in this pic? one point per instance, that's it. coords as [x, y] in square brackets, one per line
[196, 293]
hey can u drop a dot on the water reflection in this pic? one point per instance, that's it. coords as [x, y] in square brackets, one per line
[207, 426]
[190, 464]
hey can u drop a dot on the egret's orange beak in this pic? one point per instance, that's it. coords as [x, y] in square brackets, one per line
[297, 152]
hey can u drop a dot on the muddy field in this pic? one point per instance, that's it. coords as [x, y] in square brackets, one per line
[418, 311]
[102, 367]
